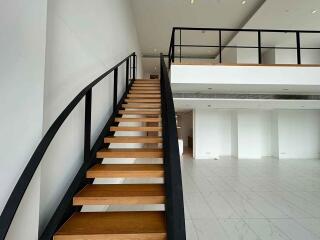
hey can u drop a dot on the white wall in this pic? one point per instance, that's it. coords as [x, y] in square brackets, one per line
[299, 134]
[247, 56]
[268, 57]
[22, 47]
[254, 134]
[212, 133]
[84, 39]
[234, 134]
[274, 134]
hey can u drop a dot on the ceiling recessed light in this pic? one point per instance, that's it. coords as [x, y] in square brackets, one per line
[243, 2]
[192, 1]
[314, 11]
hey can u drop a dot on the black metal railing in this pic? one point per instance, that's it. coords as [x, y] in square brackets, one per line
[173, 183]
[65, 208]
[220, 46]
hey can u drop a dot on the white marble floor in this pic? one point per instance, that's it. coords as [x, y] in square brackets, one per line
[265, 199]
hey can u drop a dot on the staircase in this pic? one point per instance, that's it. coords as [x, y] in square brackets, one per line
[142, 108]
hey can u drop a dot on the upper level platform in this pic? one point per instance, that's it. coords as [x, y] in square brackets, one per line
[295, 79]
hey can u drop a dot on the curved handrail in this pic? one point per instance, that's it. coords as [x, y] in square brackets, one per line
[17, 194]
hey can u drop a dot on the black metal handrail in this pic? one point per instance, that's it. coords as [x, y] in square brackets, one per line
[65, 207]
[220, 46]
[173, 183]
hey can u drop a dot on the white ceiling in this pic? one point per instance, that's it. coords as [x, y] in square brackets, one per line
[155, 19]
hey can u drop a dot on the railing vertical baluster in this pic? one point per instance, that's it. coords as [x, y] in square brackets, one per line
[127, 74]
[259, 47]
[134, 67]
[220, 47]
[180, 45]
[298, 48]
[115, 89]
[173, 45]
[87, 125]
[130, 67]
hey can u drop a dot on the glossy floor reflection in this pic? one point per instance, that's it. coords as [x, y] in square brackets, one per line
[267, 199]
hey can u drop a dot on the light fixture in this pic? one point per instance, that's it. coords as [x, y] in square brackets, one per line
[243, 2]
[314, 11]
[192, 1]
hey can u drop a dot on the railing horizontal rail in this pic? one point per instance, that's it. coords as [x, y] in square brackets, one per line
[259, 44]
[240, 46]
[21, 186]
[245, 30]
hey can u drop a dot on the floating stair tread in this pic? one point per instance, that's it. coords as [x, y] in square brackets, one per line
[104, 194]
[130, 153]
[126, 170]
[145, 85]
[136, 95]
[130, 100]
[142, 129]
[144, 91]
[114, 226]
[133, 139]
[139, 112]
[142, 106]
[147, 80]
[137, 120]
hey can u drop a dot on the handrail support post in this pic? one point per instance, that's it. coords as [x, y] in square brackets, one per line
[220, 46]
[134, 67]
[259, 48]
[115, 89]
[87, 125]
[127, 74]
[298, 48]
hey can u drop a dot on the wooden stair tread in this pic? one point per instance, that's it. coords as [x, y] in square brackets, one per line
[144, 91]
[138, 112]
[135, 95]
[114, 226]
[146, 87]
[126, 170]
[137, 120]
[142, 129]
[142, 105]
[130, 153]
[104, 194]
[132, 139]
[147, 80]
[150, 100]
